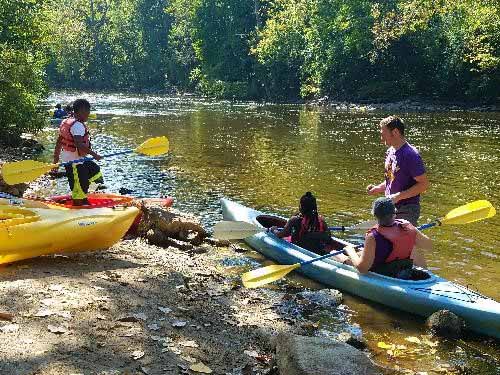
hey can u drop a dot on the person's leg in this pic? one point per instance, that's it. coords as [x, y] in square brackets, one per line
[81, 185]
[409, 212]
[417, 255]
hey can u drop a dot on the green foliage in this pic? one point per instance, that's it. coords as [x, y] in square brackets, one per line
[243, 49]
[109, 44]
[21, 67]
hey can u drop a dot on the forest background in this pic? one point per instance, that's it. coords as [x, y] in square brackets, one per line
[273, 50]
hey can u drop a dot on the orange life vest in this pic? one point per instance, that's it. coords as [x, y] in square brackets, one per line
[68, 142]
[402, 235]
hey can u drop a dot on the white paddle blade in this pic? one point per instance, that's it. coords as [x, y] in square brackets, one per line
[235, 230]
[365, 225]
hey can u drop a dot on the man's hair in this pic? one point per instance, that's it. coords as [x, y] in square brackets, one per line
[79, 104]
[394, 122]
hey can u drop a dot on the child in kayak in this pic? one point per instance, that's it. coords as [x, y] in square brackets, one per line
[74, 142]
[307, 228]
[390, 246]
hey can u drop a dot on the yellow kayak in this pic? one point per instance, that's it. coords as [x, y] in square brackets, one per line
[31, 232]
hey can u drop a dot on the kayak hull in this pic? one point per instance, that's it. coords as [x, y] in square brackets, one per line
[421, 297]
[60, 231]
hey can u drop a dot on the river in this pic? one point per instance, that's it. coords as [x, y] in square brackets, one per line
[266, 156]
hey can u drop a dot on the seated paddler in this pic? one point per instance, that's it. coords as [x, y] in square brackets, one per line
[307, 228]
[391, 247]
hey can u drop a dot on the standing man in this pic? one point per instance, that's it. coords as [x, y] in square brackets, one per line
[405, 177]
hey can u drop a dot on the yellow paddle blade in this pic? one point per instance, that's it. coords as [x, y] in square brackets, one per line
[153, 146]
[24, 171]
[266, 275]
[469, 213]
[235, 230]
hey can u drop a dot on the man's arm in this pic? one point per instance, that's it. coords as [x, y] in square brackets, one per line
[375, 189]
[57, 149]
[420, 187]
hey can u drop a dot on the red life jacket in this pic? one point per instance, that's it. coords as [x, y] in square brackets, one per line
[68, 142]
[402, 235]
[304, 227]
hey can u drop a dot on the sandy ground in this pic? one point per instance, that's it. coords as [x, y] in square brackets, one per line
[133, 309]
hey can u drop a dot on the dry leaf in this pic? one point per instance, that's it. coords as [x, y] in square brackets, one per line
[44, 313]
[137, 354]
[178, 323]
[6, 316]
[154, 327]
[9, 328]
[251, 353]
[189, 344]
[413, 339]
[57, 329]
[200, 367]
[383, 345]
[188, 359]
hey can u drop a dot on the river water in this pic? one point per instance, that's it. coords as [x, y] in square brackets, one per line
[267, 156]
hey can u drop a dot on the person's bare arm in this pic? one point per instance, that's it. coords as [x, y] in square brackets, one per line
[57, 149]
[84, 150]
[422, 241]
[364, 262]
[375, 189]
[421, 186]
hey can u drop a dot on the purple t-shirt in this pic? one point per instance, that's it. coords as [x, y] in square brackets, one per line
[401, 168]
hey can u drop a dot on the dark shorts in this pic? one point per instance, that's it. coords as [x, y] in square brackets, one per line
[410, 212]
[80, 176]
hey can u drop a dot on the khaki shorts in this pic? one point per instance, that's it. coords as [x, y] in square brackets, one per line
[410, 212]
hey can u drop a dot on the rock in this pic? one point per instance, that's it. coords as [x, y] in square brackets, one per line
[201, 249]
[446, 324]
[161, 225]
[323, 297]
[216, 242]
[355, 341]
[300, 355]
[158, 238]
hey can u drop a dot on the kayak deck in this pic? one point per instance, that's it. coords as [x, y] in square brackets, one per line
[422, 297]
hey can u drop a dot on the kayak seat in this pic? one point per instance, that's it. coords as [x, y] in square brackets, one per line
[267, 221]
[10, 216]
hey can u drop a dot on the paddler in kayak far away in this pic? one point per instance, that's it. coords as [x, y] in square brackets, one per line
[389, 247]
[59, 112]
[405, 175]
[307, 229]
[74, 143]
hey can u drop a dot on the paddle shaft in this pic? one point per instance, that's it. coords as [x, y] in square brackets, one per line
[422, 227]
[87, 158]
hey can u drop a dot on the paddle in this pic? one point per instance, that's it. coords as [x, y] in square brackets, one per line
[28, 170]
[237, 230]
[468, 213]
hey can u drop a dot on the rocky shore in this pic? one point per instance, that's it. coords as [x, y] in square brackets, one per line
[400, 106]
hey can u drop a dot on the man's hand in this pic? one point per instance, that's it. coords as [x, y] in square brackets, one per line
[396, 197]
[97, 156]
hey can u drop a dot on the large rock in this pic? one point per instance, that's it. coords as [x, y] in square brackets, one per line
[158, 224]
[445, 323]
[300, 355]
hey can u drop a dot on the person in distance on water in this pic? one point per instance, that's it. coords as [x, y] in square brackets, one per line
[307, 228]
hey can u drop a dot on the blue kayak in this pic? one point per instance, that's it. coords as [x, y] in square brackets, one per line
[421, 297]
